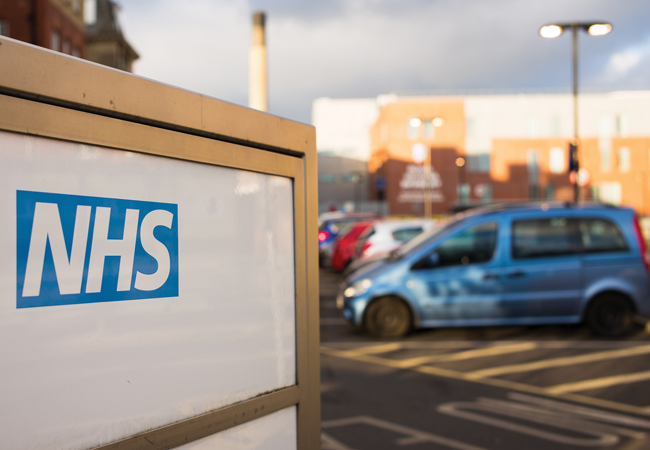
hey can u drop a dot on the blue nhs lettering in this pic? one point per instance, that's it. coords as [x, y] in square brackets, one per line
[75, 249]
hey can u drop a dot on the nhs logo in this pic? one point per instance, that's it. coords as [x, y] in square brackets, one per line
[75, 249]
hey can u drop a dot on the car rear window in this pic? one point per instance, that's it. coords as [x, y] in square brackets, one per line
[337, 226]
[540, 238]
[601, 235]
[406, 234]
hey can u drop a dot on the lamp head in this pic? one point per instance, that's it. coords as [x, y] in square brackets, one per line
[599, 29]
[550, 31]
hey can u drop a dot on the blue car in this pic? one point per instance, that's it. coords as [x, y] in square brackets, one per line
[509, 265]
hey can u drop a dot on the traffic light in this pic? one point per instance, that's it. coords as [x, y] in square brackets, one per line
[574, 165]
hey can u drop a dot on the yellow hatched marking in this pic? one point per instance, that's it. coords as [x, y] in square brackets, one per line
[597, 383]
[505, 384]
[374, 349]
[469, 354]
[558, 362]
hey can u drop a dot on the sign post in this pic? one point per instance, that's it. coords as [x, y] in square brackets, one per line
[158, 263]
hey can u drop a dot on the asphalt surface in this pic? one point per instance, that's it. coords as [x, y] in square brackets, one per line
[542, 387]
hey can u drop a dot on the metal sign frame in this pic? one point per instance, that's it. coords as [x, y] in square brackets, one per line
[47, 94]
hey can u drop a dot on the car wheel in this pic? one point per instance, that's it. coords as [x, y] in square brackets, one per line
[388, 317]
[610, 315]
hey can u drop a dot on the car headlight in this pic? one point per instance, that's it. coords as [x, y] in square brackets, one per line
[358, 288]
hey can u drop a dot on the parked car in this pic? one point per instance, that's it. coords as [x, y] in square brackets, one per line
[346, 245]
[387, 235]
[376, 243]
[330, 228]
[510, 265]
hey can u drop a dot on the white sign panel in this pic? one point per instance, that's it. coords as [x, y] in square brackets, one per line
[136, 291]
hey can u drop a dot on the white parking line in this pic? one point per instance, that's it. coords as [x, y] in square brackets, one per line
[603, 428]
[412, 436]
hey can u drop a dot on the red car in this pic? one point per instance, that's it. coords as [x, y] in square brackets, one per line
[345, 246]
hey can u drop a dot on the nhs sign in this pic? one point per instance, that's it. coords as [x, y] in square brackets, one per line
[74, 249]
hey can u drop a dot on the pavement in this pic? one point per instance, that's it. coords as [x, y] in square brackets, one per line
[541, 387]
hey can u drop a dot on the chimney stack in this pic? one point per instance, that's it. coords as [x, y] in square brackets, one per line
[257, 95]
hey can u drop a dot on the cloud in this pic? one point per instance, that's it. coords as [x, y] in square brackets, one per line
[363, 48]
[203, 48]
[621, 63]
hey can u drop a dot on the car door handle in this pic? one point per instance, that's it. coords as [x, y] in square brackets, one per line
[490, 276]
[516, 274]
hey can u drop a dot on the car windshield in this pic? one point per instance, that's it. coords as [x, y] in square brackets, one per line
[425, 237]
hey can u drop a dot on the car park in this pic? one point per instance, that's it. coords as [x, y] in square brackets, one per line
[331, 227]
[524, 264]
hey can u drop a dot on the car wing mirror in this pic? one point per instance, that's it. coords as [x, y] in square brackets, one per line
[433, 260]
[428, 262]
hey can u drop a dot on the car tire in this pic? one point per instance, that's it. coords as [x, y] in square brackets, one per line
[610, 315]
[388, 317]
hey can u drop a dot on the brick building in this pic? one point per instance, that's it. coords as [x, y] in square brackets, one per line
[491, 148]
[53, 24]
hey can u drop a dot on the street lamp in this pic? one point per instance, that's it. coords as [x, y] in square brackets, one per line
[553, 31]
[435, 122]
[460, 163]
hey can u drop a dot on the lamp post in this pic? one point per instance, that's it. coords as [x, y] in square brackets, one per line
[460, 163]
[553, 31]
[422, 154]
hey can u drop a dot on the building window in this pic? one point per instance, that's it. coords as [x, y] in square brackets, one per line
[76, 51]
[556, 126]
[90, 12]
[4, 28]
[556, 160]
[605, 149]
[55, 40]
[549, 192]
[605, 127]
[532, 127]
[478, 163]
[471, 128]
[414, 128]
[76, 6]
[622, 125]
[65, 48]
[624, 159]
[608, 192]
[428, 128]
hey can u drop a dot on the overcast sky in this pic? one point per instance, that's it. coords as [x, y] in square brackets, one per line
[363, 48]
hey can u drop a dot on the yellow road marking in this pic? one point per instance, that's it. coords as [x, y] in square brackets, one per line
[505, 384]
[558, 362]
[469, 354]
[373, 349]
[597, 383]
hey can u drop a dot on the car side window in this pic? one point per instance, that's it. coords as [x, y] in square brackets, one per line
[406, 234]
[601, 235]
[541, 238]
[474, 245]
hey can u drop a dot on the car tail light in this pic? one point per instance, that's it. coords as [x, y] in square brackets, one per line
[641, 242]
[323, 235]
